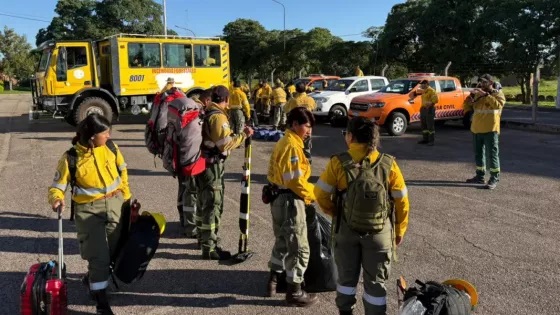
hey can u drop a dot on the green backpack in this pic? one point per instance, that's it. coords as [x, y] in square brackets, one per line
[367, 204]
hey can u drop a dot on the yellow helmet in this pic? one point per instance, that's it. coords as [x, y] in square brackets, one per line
[465, 286]
[159, 218]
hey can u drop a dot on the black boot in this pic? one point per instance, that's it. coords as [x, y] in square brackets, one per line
[216, 254]
[431, 139]
[102, 302]
[181, 219]
[272, 283]
[297, 297]
[424, 139]
[341, 312]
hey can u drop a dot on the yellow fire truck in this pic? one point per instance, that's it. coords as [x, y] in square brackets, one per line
[76, 78]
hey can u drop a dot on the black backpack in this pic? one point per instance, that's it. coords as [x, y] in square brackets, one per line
[439, 299]
[138, 249]
[72, 160]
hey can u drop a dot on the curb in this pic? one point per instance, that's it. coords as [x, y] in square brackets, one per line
[544, 128]
[529, 107]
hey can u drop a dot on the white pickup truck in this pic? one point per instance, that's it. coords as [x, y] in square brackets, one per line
[334, 101]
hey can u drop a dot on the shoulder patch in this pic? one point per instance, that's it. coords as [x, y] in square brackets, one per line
[56, 176]
[225, 126]
[294, 159]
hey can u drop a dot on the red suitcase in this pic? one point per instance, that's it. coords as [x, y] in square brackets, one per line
[44, 290]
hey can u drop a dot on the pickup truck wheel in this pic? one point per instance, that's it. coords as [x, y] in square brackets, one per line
[467, 119]
[338, 116]
[396, 124]
[93, 105]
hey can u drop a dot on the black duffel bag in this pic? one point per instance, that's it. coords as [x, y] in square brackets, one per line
[321, 274]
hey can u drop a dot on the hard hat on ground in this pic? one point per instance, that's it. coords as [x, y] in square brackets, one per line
[465, 286]
[159, 218]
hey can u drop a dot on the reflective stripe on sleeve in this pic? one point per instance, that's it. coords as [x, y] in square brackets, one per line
[324, 186]
[292, 175]
[223, 141]
[122, 167]
[399, 193]
[487, 111]
[94, 286]
[59, 186]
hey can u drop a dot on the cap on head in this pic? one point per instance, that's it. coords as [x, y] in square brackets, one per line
[424, 82]
[486, 77]
[170, 80]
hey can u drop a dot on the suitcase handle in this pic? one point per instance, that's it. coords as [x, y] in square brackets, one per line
[60, 242]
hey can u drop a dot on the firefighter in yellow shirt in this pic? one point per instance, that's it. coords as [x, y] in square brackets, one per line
[100, 189]
[301, 99]
[278, 101]
[486, 104]
[358, 72]
[355, 249]
[218, 141]
[288, 175]
[427, 111]
[239, 108]
[265, 97]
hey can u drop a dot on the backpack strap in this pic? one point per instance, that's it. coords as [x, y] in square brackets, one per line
[348, 164]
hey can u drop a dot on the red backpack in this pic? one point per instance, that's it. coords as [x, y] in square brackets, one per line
[181, 151]
[156, 127]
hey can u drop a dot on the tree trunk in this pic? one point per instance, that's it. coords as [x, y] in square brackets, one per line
[527, 98]
[521, 82]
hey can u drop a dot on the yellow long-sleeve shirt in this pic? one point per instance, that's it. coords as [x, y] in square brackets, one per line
[289, 168]
[217, 134]
[278, 96]
[265, 92]
[429, 96]
[300, 100]
[238, 100]
[487, 112]
[92, 182]
[334, 179]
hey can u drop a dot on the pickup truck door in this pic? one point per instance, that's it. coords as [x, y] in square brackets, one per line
[450, 98]
[359, 87]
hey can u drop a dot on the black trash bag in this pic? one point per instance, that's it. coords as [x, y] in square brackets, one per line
[321, 273]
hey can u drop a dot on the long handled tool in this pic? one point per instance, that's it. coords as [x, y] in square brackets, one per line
[244, 207]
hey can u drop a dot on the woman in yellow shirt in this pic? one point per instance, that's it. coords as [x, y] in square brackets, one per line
[99, 190]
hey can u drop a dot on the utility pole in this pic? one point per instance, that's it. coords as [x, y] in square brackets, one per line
[284, 22]
[536, 79]
[447, 68]
[558, 85]
[164, 19]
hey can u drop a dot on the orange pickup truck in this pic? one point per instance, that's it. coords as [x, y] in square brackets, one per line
[391, 107]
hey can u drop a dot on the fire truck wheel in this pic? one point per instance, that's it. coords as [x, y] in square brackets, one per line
[93, 105]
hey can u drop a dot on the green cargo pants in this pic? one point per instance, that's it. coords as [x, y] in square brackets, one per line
[487, 152]
[187, 203]
[291, 248]
[372, 252]
[237, 120]
[99, 230]
[279, 117]
[427, 120]
[210, 185]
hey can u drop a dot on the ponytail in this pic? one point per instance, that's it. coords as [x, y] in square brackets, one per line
[364, 131]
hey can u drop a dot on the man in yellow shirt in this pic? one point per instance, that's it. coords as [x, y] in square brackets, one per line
[218, 141]
[288, 175]
[239, 108]
[427, 111]
[486, 103]
[358, 72]
[278, 102]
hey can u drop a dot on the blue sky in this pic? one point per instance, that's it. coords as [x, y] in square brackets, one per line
[344, 18]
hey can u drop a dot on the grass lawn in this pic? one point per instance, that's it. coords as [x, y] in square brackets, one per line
[15, 92]
[545, 88]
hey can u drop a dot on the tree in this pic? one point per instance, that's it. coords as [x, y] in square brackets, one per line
[91, 19]
[17, 61]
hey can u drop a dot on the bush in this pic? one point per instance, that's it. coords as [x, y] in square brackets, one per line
[1, 88]
[550, 98]
[541, 98]
[519, 97]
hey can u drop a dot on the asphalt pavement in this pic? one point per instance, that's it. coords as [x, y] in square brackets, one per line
[505, 241]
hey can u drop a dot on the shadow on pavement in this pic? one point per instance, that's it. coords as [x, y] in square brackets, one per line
[443, 183]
